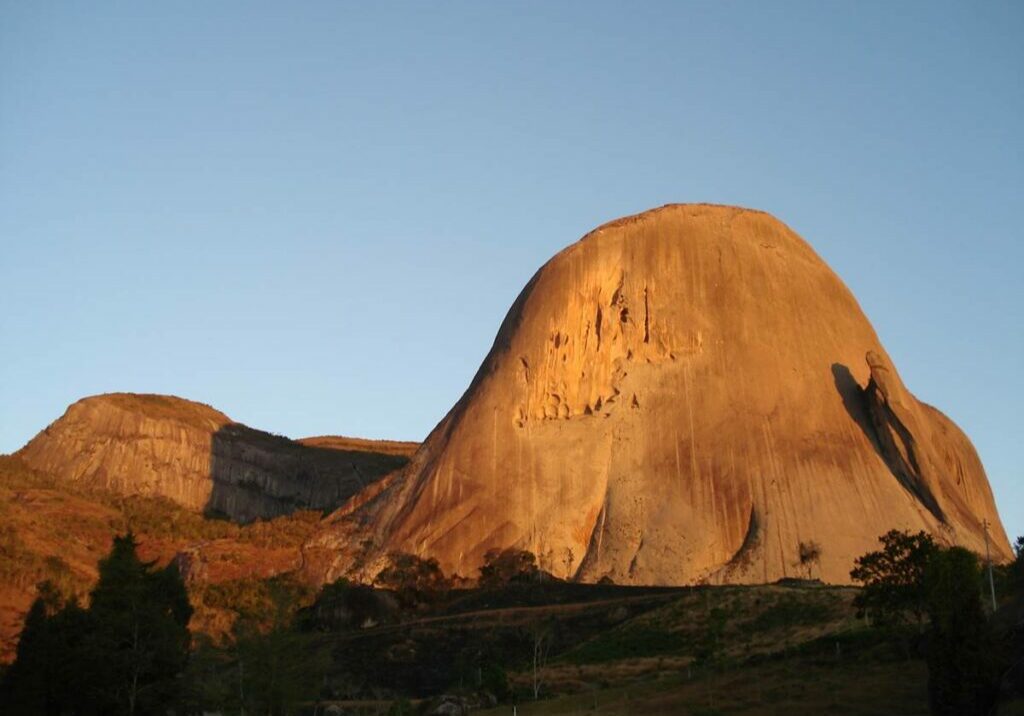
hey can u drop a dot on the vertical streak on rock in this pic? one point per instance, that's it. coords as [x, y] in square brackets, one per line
[779, 515]
[647, 318]
[679, 470]
[693, 433]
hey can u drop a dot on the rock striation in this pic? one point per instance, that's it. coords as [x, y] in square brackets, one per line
[684, 395]
[200, 458]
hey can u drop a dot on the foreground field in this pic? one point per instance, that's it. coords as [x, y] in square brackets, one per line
[791, 686]
[794, 649]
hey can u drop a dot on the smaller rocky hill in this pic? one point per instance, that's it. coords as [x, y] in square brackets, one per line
[160, 445]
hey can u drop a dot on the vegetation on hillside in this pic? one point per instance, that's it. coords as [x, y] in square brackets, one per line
[33, 505]
[925, 640]
[930, 597]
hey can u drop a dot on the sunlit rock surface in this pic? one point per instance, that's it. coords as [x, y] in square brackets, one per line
[200, 458]
[683, 395]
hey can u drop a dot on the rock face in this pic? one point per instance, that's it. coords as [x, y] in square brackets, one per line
[200, 458]
[688, 394]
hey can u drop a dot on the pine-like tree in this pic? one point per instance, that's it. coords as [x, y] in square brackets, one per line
[140, 633]
[50, 668]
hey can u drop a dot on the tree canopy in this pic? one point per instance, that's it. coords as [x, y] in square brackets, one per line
[893, 578]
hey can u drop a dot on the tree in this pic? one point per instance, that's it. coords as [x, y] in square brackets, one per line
[962, 663]
[1016, 567]
[810, 555]
[280, 668]
[139, 631]
[893, 579]
[29, 685]
[207, 683]
[501, 567]
[541, 634]
[343, 605]
[415, 580]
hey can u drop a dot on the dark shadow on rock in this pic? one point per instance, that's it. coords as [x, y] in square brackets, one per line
[872, 420]
[856, 404]
[258, 475]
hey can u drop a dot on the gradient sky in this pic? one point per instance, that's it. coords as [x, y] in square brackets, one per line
[313, 216]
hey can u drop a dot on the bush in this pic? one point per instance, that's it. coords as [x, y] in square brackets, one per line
[341, 606]
[416, 581]
[502, 567]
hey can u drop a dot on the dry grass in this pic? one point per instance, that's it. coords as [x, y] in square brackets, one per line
[791, 686]
[164, 407]
[340, 442]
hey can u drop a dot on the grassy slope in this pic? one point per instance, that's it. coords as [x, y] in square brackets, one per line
[779, 650]
[785, 686]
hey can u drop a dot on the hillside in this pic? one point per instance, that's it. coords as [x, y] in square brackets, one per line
[160, 445]
[50, 530]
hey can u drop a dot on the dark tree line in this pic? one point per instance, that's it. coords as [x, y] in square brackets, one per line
[129, 653]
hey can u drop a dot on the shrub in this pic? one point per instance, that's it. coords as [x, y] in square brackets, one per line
[415, 580]
[502, 567]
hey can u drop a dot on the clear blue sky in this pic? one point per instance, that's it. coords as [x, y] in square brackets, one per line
[313, 216]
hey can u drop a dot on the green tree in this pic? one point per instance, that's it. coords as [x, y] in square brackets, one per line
[31, 686]
[278, 668]
[140, 631]
[962, 664]
[207, 684]
[1016, 567]
[893, 579]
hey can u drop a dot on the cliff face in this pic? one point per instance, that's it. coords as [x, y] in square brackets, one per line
[198, 457]
[687, 394]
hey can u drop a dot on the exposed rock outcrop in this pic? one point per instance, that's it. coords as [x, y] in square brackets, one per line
[688, 394]
[200, 458]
